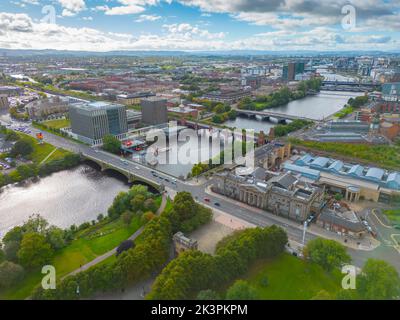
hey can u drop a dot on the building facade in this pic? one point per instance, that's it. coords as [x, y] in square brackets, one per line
[43, 108]
[284, 195]
[154, 111]
[90, 122]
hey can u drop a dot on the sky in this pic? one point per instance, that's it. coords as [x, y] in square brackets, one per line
[198, 25]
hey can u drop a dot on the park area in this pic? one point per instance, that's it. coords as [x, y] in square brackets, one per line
[89, 244]
[43, 152]
[57, 124]
[290, 278]
[90, 241]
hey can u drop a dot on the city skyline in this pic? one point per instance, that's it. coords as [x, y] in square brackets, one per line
[198, 25]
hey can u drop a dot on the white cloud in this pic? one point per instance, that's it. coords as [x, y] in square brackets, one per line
[72, 7]
[122, 10]
[129, 7]
[34, 2]
[188, 31]
[19, 31]
[147, 17]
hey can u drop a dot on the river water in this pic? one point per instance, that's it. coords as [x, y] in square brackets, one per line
[63, 198]
[80, 195]
[315, 107]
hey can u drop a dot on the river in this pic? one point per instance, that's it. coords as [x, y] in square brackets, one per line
[314, 107]
[63, 198]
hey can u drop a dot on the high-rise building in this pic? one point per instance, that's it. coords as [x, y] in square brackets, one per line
[154, 110]
[90, 122]
[4, 104]
[290, 70]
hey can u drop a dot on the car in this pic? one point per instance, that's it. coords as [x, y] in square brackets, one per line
[137, 168]
[217, 204]
[369, 229]
[166, 179]
[365, 222]
[153, 173]
[206, 200]
[124, 162]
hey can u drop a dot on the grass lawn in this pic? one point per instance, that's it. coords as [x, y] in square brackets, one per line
[89, 244]
[393, 215]
[58, 124]
[291, 278]
[41, 151]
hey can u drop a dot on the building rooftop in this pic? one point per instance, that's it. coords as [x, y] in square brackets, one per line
[97, 105]
[330, 216]
[313, 167]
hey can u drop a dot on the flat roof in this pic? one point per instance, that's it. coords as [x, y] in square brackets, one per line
[345, 182]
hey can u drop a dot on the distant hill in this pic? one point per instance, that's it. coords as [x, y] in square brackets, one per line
[143, 53]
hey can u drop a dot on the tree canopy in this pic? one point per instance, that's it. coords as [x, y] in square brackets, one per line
[329, 254]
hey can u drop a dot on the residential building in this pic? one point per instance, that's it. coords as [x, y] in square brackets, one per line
[154, 110]
[227, 96]
[391, 91]
[43, 108]
[133, 98]
[90, 122]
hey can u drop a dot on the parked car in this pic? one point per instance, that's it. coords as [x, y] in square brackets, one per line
[206, 200]
[217, 204]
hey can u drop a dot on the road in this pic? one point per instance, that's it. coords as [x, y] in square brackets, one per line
[199, 191]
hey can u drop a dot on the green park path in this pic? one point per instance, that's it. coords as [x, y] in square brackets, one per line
[112, 251]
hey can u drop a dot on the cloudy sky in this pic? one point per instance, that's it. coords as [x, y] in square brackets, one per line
[104, 25]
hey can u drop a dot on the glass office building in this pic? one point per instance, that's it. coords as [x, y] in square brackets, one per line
[90, 122]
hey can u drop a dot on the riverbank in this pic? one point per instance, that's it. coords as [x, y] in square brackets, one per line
[91, 240]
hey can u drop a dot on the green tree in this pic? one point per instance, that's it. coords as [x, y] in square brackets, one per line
[329, 254]
[378, 281]
[10, 274]
[149, 204]
[138, 202]
[56, 237]
[241, 290]
[2, 254]
[111, 144]
[127, 217]
[34, 250]
[27, 171]
[10, 250]
[22, 147]
[208, 295]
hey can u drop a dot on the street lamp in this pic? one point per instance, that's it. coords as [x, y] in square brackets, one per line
[304, 232]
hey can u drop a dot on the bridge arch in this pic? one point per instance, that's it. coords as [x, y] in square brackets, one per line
[95, 165]
[115, 173]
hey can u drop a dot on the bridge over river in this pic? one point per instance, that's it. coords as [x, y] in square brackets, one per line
[265, 115]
